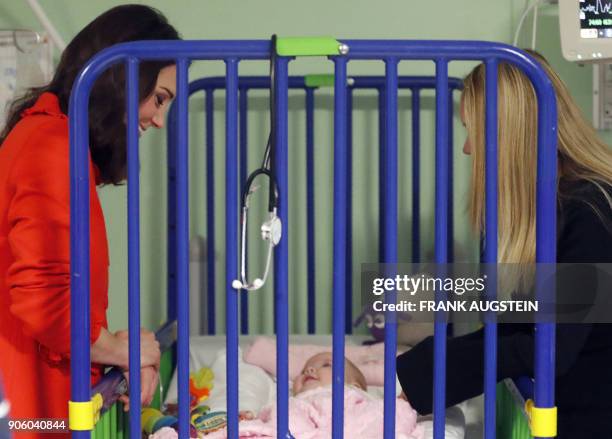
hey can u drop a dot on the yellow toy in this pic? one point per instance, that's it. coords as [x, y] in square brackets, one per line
[200, 385]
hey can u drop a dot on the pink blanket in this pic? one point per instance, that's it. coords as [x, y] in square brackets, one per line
[310, 415]
[369, 359]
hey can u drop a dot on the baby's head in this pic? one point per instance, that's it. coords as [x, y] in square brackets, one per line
[317, 372]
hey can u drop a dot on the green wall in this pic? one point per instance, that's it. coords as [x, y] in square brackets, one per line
[231, 19]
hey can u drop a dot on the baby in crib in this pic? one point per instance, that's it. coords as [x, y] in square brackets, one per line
[317, 372]
[310, 408]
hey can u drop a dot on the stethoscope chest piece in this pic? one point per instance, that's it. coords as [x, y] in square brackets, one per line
[272, 230]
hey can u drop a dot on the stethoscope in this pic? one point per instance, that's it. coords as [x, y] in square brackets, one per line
[272, 229]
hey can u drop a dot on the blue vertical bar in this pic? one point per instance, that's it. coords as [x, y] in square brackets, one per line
[231, 237]
[210, 208]
[171, 232]
[546, 244]
[381, 179]
[310, 209]
[133, 209]
[79, 254]
[441, 236]
[349, 212]
[450, 238]
[416, 175]
[182, 245]
[490, 251]
[281, 254]
[451, 217]
[243, 99]
[339, 246]
[390, 238]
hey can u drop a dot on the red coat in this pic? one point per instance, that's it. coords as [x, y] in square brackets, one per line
[35, 264]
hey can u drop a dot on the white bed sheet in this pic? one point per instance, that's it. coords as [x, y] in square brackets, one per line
[257, 389]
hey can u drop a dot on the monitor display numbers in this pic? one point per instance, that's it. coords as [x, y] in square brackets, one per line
[596, 18]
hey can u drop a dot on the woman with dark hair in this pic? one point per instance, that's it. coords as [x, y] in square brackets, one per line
[35, 222]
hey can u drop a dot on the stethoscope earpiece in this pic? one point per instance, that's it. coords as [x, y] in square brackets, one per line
[238, 285]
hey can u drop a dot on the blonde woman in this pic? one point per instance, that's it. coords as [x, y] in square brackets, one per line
[584, 217]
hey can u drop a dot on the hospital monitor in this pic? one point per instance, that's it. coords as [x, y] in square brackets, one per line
[586, 30]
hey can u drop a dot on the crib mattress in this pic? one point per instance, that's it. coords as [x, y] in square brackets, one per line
[204, 350]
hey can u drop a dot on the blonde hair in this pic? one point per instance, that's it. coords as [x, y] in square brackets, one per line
[582, 155]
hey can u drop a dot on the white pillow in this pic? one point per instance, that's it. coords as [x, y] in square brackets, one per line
[255, 388]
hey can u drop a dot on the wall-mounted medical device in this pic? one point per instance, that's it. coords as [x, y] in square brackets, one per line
[586, 29]
[586, 37]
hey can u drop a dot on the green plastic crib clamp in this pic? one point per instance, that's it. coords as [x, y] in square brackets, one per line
[511, 420]
[309, 46]
[319, 80]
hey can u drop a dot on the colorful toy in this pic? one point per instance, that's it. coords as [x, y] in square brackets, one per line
[207, 422]
[153, 420]
[200, 385]
[375, 322]
[197, 413]
[201, 420]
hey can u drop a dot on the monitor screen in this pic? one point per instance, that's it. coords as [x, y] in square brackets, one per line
[595, 18]
[585, 28]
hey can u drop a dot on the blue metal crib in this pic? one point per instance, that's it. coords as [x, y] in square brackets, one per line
[309, 84]
[82, 410]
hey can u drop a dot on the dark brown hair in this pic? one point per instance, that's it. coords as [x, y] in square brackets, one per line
[107, 130]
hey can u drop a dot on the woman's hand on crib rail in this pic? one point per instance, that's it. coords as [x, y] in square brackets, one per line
[149, 379]
[150, 354]
[113, 349]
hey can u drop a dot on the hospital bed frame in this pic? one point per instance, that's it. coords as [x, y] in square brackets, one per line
[82, 406]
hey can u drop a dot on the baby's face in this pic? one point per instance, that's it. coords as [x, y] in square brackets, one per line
[317, 372]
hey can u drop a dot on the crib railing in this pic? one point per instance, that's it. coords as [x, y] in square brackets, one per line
[113, 384]
[340, 53]
[309, 84]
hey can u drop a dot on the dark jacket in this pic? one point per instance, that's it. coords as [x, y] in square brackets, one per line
[583, 389]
